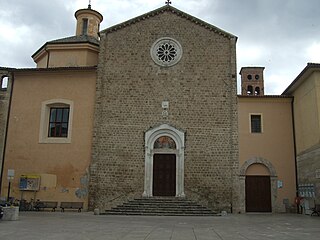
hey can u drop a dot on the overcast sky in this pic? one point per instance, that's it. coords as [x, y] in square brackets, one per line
[280, 35]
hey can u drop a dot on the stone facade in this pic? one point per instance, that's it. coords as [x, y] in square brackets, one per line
[4, 106]
[309, 172]
[200, 90]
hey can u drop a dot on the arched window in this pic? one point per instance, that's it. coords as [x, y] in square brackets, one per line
[164, 142]
[257, 91]
[4, 83]
[249, 90]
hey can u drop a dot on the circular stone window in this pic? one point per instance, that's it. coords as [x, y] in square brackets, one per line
[166, 52]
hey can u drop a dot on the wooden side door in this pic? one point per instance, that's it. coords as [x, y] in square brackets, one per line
[164, 175]
[258, 194]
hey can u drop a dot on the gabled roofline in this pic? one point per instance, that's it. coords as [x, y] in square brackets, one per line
[176, 11]
[310, 68]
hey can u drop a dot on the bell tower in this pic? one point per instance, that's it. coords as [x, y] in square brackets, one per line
[252, 82]
[88, 22]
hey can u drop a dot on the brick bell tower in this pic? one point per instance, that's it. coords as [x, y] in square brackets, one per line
[252, 83]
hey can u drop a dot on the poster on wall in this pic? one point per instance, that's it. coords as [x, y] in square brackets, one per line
[29, 182]
[307, 190]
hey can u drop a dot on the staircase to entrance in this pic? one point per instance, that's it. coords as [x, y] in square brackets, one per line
[161, 206]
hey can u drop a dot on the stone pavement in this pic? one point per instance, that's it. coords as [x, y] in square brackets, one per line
[84, 226]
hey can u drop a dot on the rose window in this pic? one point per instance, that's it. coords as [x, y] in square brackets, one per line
[166, 52]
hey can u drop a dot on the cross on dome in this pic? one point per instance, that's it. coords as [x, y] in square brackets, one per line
[168, 2]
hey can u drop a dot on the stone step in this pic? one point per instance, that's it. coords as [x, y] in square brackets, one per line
[161, 206]
[168, 208]
[185, 211]
[164, 207]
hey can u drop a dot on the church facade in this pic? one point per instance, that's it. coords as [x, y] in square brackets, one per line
[166, 76]
[149, 108]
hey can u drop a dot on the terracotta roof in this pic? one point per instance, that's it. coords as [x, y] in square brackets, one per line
[71, 40]
[54, 69]
[6, 68]
[77, 39]
[176, 11]
[301, 77]
[264, 96]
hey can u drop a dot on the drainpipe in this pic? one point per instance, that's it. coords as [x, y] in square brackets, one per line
[48, 56]
[6, 132]
[295, 150]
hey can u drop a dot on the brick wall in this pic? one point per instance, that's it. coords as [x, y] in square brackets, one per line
[201, 90]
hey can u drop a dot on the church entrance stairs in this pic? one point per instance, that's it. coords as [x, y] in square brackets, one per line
[161, 206]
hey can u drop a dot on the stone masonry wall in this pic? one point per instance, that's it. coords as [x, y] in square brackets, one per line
[4, 105]
[308, 165]
[201, 90]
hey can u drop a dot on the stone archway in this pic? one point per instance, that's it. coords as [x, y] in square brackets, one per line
[273, 181]
[150, 137]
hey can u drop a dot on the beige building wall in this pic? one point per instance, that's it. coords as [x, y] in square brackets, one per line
[62, 166]
[270, 152]
[306, 109]
[306, 91]
[68, 55]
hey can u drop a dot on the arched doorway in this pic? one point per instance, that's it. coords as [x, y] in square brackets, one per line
[258, 185]
[164, 162]
[258, 189]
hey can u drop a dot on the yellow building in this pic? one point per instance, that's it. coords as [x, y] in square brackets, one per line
[49, 135]
[305, 90]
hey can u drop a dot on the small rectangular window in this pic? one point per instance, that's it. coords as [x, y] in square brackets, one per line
[4, 83]
[256, 124]
[58, 122]
[85, 26]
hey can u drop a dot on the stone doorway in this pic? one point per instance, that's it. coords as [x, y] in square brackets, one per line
[164, 142]
[164, 175]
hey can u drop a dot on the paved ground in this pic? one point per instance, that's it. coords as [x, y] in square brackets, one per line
[84, 226]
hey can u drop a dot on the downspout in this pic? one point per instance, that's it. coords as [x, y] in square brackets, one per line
[6, 132]
[48, 58]
[295, 150]
[233, 114]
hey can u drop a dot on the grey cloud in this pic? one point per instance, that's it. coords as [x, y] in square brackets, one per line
[280, 29]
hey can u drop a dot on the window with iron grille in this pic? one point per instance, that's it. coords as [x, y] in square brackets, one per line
[256, 124]
[58, 122]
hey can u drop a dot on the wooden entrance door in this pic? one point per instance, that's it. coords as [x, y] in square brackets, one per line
[164, 175]
[258, 194]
